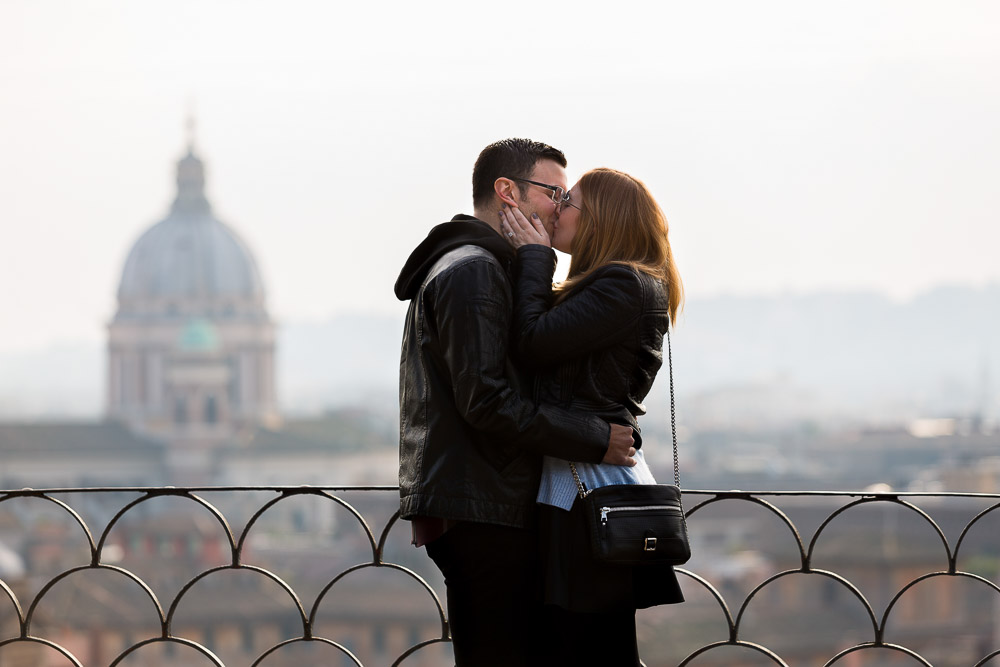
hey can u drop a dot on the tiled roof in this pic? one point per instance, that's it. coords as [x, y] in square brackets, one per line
[53, 438]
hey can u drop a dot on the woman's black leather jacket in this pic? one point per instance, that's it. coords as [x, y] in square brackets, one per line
[599, 349]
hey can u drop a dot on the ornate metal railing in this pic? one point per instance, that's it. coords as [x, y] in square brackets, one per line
[270, 576]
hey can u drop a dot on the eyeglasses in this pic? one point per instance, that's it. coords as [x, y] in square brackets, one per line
[559, 196]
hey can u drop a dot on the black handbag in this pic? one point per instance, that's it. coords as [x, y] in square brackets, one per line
[638, 524]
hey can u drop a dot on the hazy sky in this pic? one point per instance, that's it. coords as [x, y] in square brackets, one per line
[795, 146]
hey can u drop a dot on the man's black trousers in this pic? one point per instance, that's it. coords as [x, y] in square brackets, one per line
[493, 593]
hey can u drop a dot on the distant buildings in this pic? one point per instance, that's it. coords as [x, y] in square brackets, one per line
[191, 396]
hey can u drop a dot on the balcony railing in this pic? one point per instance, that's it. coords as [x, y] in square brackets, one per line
[272, 576]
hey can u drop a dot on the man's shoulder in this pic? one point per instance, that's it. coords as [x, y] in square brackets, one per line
[465, 258]
[469, 252]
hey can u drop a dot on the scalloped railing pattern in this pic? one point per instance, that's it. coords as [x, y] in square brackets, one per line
[30, 630]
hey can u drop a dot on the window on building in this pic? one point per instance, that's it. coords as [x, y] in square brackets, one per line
[208, 639]
[211, 410]
[248, 639]
[349, 645]
[415, 635]
[831, 589]
[180, 411]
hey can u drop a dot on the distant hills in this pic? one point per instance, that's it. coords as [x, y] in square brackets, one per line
[853, 353]
[738, 360]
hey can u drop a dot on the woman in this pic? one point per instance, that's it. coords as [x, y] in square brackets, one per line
[596, 343]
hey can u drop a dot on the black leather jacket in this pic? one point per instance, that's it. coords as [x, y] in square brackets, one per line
[600, 348]
[470, 445]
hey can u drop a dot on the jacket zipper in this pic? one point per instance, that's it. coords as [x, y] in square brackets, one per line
[606, 510]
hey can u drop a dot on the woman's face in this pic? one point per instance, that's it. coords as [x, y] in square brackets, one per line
[569, 216]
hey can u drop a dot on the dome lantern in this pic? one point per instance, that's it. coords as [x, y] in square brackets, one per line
[191, 186]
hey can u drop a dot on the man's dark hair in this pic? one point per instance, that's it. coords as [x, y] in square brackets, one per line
[510, 158]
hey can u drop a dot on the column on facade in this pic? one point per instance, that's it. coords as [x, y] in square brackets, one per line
[154, 379]
[114, 380]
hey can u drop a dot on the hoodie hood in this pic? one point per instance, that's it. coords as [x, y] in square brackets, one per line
[459, 231]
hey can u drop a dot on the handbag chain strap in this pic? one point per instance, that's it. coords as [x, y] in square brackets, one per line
[673, 414]
[581, 489]
[584, 491]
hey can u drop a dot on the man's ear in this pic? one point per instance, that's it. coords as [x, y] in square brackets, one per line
[504, 187]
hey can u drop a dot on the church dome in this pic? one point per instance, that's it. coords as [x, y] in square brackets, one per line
[191, 263]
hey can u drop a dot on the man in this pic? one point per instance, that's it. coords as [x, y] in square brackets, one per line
[470, 440]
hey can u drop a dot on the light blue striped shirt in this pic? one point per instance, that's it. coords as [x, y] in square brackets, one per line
[559, 488]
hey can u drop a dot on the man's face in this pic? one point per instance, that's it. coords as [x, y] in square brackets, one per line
[538, 200]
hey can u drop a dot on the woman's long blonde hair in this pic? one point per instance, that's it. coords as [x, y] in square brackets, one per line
[621, 223]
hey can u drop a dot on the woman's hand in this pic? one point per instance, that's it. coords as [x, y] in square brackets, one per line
[521, 231]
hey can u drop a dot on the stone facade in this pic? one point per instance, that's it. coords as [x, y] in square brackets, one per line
[191, 347]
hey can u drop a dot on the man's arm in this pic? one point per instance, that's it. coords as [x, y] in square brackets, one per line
[471, 308]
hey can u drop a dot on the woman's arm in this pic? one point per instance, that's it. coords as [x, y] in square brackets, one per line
[597, 313]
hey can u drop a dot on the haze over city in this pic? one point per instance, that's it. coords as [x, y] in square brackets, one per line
[794, 147]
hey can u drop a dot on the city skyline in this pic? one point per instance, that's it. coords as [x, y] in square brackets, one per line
[794, 148]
